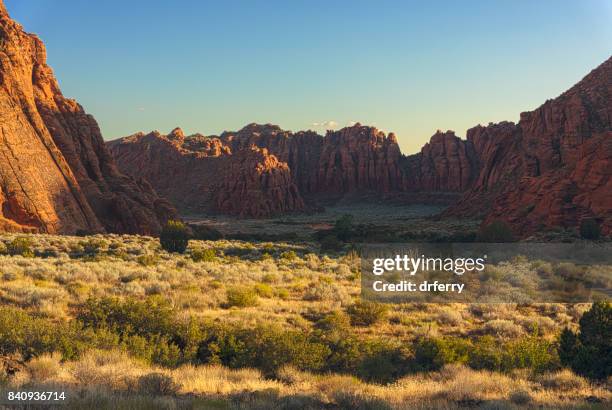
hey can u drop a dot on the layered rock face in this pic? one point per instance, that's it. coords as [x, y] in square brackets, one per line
[257, 184]
[56, 174]
[205, 174]
[553, 168]
[445, 163]
[262, 170]
[353, 159]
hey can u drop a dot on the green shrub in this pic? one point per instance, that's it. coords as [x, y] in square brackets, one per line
[497, 231]
[203, 255]
[20, 246]
[367, 313]
[568, 347]
[270, 348]
[529, 352]
[590, 229]
[241, 297]
[431, 354]
[343, 228]
[336, 322]
[147, 328]
[288, 255]
[534, 353]
[149, 317]
[588, 353]
[382, 362]
[267, 348]
[31, 336]
[174, 237]
[488, 354]
[264, 290]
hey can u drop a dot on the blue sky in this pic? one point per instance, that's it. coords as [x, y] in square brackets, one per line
[404, 66]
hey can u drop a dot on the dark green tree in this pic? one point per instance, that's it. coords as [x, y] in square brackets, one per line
[343, 227]
[590, 229]
[568, 345]
[174, 237]
[590, 352]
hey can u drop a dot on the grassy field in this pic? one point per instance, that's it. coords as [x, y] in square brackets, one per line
[224, 297]
[397, 218]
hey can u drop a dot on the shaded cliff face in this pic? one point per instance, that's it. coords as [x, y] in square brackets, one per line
[445, 163]
[553, 168]
[353, 159]
[56, 175]
[204, 174]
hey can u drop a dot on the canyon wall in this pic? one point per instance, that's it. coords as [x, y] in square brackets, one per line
[204, 174]
[262, 170]
[550, 170]
[553, 168]
[56, 174]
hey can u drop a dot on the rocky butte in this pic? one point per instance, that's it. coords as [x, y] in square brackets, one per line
[56, 174]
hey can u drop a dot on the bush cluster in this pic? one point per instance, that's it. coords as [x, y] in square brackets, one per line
[203, 255]
[589, 353]
[20, 246]
[150, 330]
[174, 237]
[486, 353]
[242, 297]
[366, 313]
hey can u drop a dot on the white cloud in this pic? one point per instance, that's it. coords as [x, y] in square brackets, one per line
[328, 125]
[140, 108]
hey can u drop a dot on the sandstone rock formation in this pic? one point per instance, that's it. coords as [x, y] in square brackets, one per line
[262, 170]
[56, 174]
[201, 173]
[353, 159]
[445, 163]
[554, 167]
[257, 184]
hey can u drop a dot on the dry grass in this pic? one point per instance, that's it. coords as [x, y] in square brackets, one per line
[66, 272]
[105, 378]
[291, 291]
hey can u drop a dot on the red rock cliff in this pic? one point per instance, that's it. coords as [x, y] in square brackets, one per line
[446, 163]
[353, 159]
[56, 175]
[201, 173]
[553, 168]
